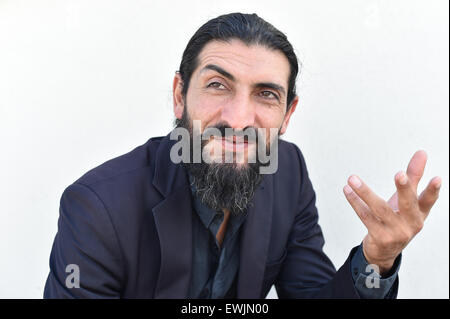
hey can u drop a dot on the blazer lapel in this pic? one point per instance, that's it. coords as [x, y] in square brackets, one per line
[255, 242]
[173, 222]
[174, 225]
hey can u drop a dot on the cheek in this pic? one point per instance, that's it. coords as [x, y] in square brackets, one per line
[203, 108]
[270, 118]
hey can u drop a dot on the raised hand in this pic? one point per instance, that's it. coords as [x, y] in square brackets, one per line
[392, 224]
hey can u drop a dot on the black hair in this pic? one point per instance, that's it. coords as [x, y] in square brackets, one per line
[250, 29]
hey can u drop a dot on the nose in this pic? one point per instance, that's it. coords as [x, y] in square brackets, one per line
[239, 112]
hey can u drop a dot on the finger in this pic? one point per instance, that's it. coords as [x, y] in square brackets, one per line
[393, 202]
[361, 209]
[407, 197]
[430, 194]
[414, 171]
[408, 202]
[416, 167]
[376, 204]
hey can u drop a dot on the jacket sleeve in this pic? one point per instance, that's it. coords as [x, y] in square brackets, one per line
[307, 272]
[85, 260]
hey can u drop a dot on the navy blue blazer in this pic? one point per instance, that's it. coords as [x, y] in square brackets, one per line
[127, 225]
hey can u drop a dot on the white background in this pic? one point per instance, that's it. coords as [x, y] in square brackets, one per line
[84, 81]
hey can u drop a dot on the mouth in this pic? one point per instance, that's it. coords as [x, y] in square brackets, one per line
[233, 143]
[236, 139]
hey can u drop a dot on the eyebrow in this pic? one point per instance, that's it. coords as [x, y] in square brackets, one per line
[228, 75]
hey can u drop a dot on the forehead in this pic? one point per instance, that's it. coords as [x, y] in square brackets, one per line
[252, 63]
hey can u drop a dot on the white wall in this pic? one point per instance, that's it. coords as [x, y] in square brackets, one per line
[84, 81]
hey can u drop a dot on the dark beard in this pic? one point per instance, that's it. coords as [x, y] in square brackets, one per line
[225, 186]
[221, 186]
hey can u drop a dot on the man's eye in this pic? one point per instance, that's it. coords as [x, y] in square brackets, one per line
[268, 94]
[216, 85]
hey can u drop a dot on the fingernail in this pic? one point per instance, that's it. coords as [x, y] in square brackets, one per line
[347, 189]
[439, 184]
[355, 181]
[403, 179]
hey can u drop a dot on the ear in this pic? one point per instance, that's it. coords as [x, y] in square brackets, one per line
[288, 114]
[178, 101]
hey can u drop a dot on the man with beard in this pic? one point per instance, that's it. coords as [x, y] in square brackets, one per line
[145, 225]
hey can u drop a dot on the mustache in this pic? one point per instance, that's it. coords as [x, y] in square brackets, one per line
[223, 130]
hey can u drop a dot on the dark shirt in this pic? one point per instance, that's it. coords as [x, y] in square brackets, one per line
[214, 267]
[368, 287]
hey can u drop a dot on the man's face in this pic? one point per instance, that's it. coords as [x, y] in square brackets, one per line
[236, 86]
